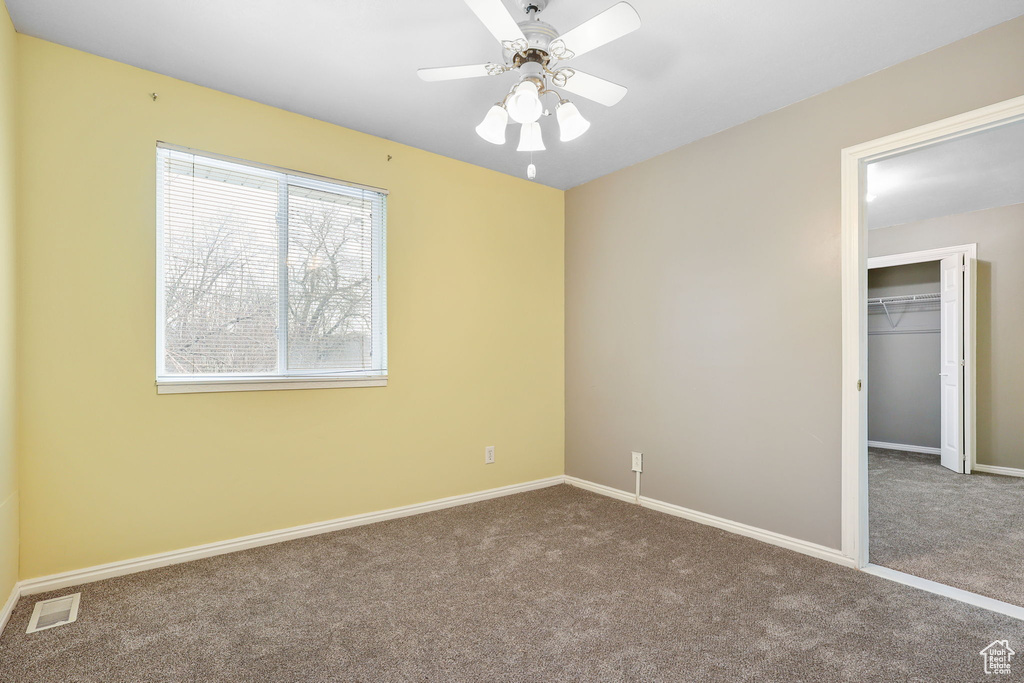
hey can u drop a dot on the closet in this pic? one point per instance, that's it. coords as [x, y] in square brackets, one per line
[904, 408]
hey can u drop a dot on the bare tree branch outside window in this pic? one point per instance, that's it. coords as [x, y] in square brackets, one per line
[329, 305]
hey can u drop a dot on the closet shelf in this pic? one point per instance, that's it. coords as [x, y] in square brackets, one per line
[908, 299]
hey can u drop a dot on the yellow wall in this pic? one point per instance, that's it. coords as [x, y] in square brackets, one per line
[8, 464]
[110, 470]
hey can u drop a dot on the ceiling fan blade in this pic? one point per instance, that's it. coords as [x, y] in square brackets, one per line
[614, 22]
[451, 73]
[496, 18]
[593, 88]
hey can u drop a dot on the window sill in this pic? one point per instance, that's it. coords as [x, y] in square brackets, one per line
[207, 386]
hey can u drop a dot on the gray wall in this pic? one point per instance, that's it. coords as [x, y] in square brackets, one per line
[703, 297]
[903, 362]
[999, 234]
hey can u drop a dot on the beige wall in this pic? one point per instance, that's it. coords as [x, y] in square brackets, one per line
[703, 297]
[8, 463]
[111, 470]
[999, 234]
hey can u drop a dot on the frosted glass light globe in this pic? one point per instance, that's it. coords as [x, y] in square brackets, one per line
[524, 106]
[530, 139]
[492, 128]
[571, 123]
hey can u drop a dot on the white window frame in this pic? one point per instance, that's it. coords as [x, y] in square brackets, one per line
[291, 380]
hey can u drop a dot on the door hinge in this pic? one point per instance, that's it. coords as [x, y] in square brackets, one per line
[858, 385]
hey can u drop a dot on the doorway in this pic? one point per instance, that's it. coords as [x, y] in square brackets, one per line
[957, 377]
[921, 354]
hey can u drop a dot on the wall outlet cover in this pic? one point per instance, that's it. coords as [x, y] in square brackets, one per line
[638, 461]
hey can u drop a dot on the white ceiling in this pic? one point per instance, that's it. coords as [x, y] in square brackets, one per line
[693, 68]
[978, 171]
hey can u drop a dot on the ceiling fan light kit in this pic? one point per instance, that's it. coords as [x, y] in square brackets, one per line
[534, 50]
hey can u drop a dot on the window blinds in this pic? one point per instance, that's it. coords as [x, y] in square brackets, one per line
[266, 273]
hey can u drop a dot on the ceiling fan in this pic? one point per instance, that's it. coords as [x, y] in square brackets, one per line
[535, 50]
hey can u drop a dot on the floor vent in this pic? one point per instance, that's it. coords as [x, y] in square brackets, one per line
[54, 612]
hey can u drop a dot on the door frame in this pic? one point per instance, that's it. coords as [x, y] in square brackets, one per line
[854, 300]
[969, 252]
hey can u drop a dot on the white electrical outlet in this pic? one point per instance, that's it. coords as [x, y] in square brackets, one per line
[489, 455]
[638, 462]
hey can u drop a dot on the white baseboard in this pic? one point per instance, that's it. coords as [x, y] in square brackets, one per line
[140, 564]
[995, 469]
[804, 547]
[600, 488]
[800, 546]
[112, 569]
[131, 566]
[8, 608]
[942, 589]
[927, 450]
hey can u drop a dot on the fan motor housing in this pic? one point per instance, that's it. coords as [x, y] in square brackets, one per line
[538, 34]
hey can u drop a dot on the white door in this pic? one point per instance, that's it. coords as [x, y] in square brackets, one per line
[951, 368]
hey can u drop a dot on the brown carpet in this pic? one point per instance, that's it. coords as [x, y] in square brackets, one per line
[965, 531]
[552, 585]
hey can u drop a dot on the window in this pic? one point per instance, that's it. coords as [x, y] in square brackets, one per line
[267, 279]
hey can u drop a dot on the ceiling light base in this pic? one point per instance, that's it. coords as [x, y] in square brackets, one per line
[538, 34]
[530, 6]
